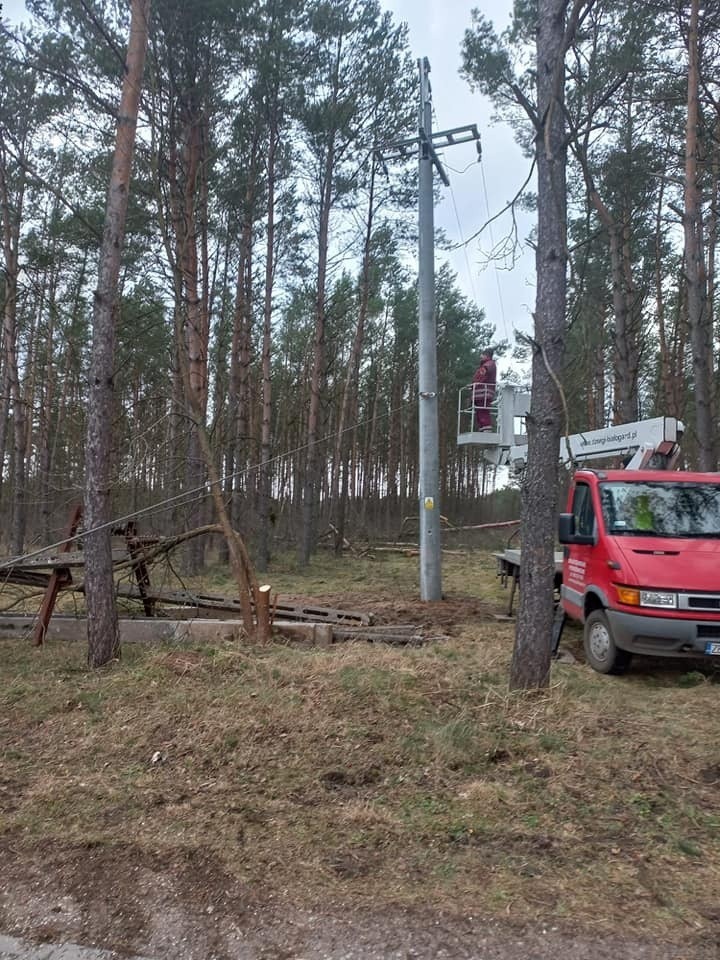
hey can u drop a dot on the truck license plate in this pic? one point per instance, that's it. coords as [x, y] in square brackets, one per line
[713, 649]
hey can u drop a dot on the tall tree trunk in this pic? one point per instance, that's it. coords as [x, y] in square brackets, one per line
[393, 437]
[339, 493]
[11, 206]
[103, 634]
[4, 417]
[531, 655]
[237, 398]
[311, 480]
[699, 318]
[45, 414]
[672, 359]
[197, 331]
[626, 358]
[713, 219]
[265, 470]
[258, 629]
[243, 322]
[310, 485]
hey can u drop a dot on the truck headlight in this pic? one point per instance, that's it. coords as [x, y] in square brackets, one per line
[633, 597]
[657, 598]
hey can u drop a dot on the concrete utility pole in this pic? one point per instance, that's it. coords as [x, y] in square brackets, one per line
[429, 501]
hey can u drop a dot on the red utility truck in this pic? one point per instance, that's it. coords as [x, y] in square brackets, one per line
[641, 564]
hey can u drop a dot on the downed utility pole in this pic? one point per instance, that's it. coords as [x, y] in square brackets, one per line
[425, 144]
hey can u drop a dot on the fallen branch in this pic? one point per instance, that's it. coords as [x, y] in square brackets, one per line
[167, 544]
[332, 531]
[486, 526]
[410, 550]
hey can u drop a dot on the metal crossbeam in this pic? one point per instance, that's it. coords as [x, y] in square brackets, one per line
[408, 149]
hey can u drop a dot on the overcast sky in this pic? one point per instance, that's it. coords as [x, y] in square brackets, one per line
[436, 29]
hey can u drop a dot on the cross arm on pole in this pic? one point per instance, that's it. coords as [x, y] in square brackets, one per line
[401, 150]
[407, 149]
[456, 135]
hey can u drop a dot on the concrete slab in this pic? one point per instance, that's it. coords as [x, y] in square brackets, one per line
[176, 632]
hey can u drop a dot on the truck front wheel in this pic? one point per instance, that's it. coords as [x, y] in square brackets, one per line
[600, 650]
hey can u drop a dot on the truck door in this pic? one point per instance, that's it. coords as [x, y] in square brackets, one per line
[578, 557]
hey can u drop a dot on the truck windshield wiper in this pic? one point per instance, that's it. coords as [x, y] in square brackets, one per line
[702, 535]
[630, 532]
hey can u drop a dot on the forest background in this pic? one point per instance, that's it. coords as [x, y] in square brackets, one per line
[268, 246]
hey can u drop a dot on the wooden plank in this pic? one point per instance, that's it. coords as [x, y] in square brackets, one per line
[281, 610]
[75, 558]
[25, 578]
[373, 636]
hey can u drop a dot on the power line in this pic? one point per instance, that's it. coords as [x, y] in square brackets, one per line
[464, 245]
[464, 169]
[190, 496]
[492, 241]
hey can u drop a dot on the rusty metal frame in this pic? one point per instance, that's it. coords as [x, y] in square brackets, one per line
[59, 578]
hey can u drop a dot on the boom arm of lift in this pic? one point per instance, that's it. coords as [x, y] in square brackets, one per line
[649, 444]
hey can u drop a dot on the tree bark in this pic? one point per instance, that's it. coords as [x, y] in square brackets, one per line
[242, 358]
[671, 373]
[258, 628]
[310, 486]
[341, 460]
[265, 470]
[103, 634]
[699, 318]
[531, 655]
[310, 492]
[11, 205]
[626, 354]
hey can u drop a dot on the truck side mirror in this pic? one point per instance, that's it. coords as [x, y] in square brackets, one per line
[568, 534]
[566, 528]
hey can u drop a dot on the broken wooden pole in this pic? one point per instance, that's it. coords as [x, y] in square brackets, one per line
[142, 575]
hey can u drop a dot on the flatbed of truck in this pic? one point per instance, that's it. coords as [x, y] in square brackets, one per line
[508, 563]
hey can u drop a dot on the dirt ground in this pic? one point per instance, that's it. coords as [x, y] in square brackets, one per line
[446, 617]
[186, 905]
[129, 902]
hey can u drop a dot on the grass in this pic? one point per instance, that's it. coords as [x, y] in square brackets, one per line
[370, 773]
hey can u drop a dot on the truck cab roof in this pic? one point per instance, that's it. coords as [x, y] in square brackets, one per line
[646, 476]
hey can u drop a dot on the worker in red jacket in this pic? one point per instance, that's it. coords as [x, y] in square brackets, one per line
[484, 390]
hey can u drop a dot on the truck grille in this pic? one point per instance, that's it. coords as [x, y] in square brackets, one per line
[699, 601]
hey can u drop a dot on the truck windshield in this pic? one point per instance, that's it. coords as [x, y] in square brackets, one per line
[661, 509]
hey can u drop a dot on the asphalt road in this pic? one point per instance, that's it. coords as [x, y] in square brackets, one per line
[376, 947]
[12, 949]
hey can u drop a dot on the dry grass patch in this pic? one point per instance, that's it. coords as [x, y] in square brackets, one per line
[379, 774]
